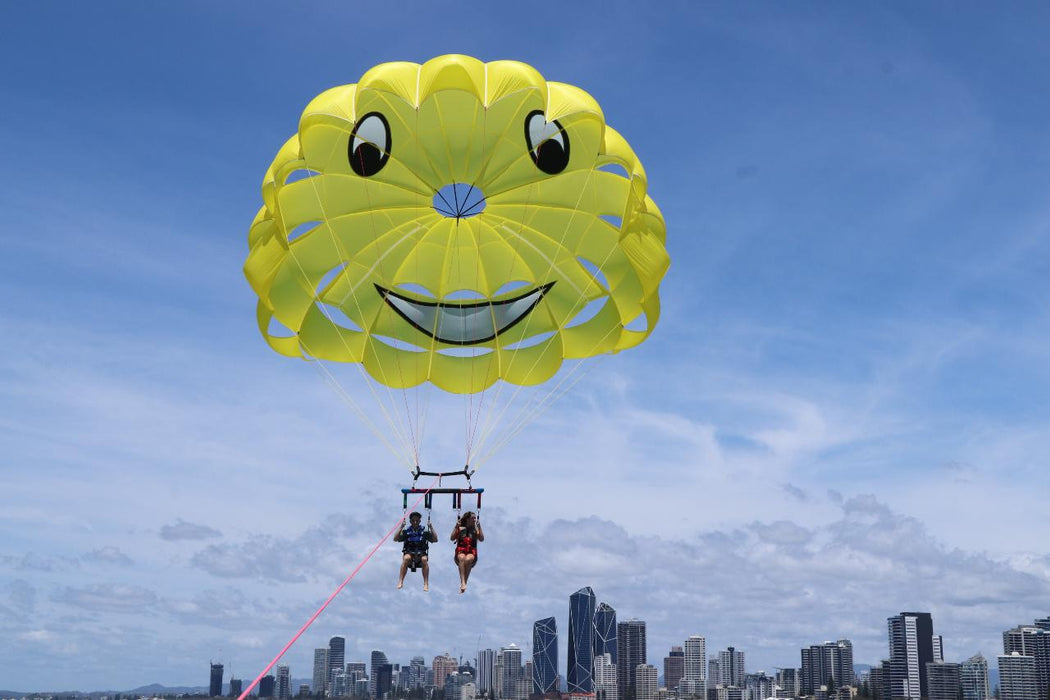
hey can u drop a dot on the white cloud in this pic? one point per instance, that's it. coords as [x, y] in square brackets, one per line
[182, 530]
[108, 555]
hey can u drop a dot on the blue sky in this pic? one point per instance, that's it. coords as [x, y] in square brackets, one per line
[842, 414]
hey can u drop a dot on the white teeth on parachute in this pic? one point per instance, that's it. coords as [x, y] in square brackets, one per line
[463, 323]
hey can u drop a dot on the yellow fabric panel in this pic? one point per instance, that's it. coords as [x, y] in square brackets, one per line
[452, 73]
[629, 339]
[504, 78]
[599, 335]
[328, 235]
[533, 365]
[400, 78]
[465, 375]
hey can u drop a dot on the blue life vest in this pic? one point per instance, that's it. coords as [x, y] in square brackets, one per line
[416, 541]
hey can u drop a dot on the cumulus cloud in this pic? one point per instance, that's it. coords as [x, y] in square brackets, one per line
[769, 587]
[33, 562]
[321, 551]
[107, 597]
[108, 555]
[182, 530]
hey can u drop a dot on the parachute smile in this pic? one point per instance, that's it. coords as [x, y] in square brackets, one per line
[467, 323]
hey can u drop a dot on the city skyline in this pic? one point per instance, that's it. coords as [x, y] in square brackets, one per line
[832, 660]
[837, 417]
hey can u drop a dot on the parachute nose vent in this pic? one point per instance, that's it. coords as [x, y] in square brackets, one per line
[459, 201]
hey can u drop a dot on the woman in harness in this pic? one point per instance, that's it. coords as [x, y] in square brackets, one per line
[466, 534]
[417, 541]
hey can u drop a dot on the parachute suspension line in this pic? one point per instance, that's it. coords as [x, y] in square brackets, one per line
[528, 321]
[330, 598]
[496, 413]
[395, 428]
[404, 432]
[360, 413]
[540, 407]
[529, 414]
[474, 417]
[410, 428]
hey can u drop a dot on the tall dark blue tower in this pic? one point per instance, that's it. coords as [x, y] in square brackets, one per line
[544, 656]
[605, 631]
[581, 641]
[215, 685]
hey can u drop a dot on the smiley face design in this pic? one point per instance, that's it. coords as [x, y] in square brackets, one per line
[457, 222]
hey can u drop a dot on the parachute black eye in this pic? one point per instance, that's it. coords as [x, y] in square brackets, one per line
[369, 147]
[548, 143]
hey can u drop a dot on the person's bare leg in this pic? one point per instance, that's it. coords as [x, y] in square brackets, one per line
[464, 570]
[404, 567]
[461, 562]
[426, 573]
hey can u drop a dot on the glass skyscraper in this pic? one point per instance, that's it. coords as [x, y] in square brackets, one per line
[486, 670]
[605, 631]
[215, 681]
[545, 656]
[336, 656]
[581, 641]
[630, 649]
[973, 676]
[284, 683]
[911, 648]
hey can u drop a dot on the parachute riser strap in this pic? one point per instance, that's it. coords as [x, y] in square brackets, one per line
[466, 472]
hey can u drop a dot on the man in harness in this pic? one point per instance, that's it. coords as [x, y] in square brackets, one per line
[417, 541]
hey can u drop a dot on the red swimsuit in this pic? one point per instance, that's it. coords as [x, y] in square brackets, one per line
[466, 544]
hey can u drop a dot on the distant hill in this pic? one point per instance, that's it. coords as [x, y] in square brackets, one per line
[147, 690]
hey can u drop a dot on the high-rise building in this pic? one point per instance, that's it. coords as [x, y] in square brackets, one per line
[1017, 679]
[340, 685]
[512, 670]
[1034, 641]
[714, 675]
[790, 684]
[973, 677]
[877, 682]
[580, 663]
[911, 648]
[605, 678]
[731, 668]
[215, 680]
[545, 656]
[384, 674]
[605, 631]
[829, 664]
[729, 692]
[630, 652]
[497, 675]
[236, 687]
[695, 669]
[943, 680]
[336, 656]
[486, 667]
[758, 685]
[417, 673]
[266, 684]
[646, 682]
[284, 683]
[320, 683]
[674, 668]
[443, 666]
[377, 659]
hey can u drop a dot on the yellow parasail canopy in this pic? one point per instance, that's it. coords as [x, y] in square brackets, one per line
[456, 222]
